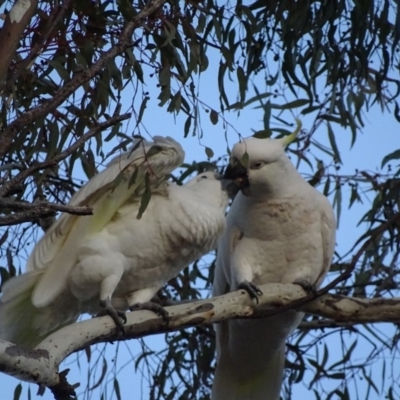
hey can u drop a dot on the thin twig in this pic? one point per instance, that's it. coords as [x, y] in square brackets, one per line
[34, 211]
[124, 42]
[5, 189]
[54, 18]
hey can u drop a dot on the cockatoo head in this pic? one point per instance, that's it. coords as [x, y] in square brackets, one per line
[211, 183]
[260, 164]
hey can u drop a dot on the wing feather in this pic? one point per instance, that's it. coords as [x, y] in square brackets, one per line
[57, 250]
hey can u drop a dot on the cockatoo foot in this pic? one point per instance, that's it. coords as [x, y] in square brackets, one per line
[151, 306]
[118, 316]
[309, 287]
[252, 289]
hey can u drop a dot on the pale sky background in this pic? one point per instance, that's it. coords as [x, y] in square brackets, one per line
[380, 136]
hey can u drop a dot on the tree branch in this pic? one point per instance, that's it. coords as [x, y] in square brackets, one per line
[6, 187]
[34, 211]
[124, 42]
[41, 365]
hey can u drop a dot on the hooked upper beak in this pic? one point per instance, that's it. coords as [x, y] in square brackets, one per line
[237, 173]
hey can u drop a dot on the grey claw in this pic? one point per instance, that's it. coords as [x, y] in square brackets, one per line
[252, 289]
[308, 287]
[118, 316]
[151, 306]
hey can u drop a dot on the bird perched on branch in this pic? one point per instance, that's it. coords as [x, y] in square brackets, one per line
[279, 229]
[144, 230]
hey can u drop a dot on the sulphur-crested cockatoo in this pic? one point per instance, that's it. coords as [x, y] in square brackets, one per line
[112, 260]
[279, 229]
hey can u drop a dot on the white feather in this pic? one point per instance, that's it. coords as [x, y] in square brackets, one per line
[79, 263]
[281, 231]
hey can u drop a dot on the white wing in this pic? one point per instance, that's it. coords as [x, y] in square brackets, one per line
[56, 251]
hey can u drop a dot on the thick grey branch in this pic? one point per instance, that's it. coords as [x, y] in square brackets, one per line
[41, 365]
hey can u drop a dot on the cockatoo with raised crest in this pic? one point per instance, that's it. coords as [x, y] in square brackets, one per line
[119, 257]
[279, 230]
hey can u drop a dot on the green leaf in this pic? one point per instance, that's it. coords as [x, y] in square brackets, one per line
[53, 138]
[3, 237]
[242, 79]
[221, 87]
[117, 390]
[4, 276]
[17, 392]
[209, 152]
[267, 115]
[142, 356]
[164, 95]
[346, 357]
[332, 140]
[201, 23]
[113, 133]
[187, 126]
[118, 180]
[392, 156]
[141, 110]
[263, 134]
[145, 200]
[244, 160]
[354, 196]
[258, 98]
[273, 79]
[138, 71]
[153, 150]
[337, 202]
[165, 76]
[132, 179]
[214, 117]
[175, 103]
[293, 104]
[336, 375]
[64, 74]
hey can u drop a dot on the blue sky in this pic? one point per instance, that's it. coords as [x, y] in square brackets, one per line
[379, 137]
[377, 140]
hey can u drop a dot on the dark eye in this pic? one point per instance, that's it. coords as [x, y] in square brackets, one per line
[256, 165]
[204, 177]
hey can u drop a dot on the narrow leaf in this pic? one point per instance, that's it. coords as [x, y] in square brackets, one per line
[17, 392]
[332, 140]
[392, 156]
[214, 117]
[117, 391]
[145, 200]
[209, 152]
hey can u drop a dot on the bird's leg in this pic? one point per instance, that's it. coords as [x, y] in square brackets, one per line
[107, 289]
[305, 284]
[251, 288]
[118, 316]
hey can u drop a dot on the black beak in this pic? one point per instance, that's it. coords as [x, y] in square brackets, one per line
[238, 174]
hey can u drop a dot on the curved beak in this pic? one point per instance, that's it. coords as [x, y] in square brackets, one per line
[237, 172]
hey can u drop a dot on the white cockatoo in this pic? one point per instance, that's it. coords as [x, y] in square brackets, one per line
[279, 229]
[112, 261]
